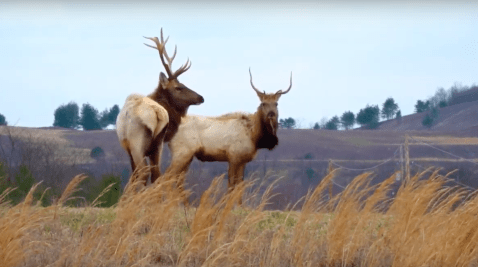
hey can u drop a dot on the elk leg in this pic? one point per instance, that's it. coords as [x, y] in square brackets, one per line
[140, 161]
[154, 153]
[179, 166]
[231, 179]
[239, 177]
[125, 144]
[236, 173]
[138, 151]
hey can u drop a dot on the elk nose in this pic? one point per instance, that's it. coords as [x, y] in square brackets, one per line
[201, 99]
[271, 115]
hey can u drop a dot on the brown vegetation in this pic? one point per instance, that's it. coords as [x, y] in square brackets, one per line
[424, 224]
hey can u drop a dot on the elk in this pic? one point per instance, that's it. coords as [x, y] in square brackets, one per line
[233, 138]
[146, 122]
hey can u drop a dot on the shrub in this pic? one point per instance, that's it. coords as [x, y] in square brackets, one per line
[112, 196]
[97, 153]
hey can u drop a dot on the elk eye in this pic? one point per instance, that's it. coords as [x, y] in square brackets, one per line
[179, 88]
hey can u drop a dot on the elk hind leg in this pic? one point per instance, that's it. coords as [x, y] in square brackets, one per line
[154, 153]
[138, 153]
[126, 146]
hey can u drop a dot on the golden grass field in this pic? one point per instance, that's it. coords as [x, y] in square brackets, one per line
[425, 224]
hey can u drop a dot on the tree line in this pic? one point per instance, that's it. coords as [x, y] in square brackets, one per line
[70, 116]
[367, 117]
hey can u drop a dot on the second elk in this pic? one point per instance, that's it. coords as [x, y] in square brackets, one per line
[233, 138]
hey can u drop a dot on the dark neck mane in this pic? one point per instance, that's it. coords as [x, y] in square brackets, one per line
[175, 112]
[265, 139]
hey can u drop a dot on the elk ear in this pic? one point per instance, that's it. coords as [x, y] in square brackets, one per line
[163, 80]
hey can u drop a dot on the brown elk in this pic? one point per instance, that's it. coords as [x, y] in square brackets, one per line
[233, 137]
[145, 122]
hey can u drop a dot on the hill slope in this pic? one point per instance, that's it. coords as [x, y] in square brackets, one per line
[457, 118]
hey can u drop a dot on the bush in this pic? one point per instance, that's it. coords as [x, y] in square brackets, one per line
[113, 195]
[97, 153]
[427, 121]
[310, 173]
[24, 181]
[4, 183]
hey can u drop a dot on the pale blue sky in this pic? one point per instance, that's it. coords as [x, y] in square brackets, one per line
[343, 56]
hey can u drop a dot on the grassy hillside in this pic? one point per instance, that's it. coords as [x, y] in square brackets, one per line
[457, 118]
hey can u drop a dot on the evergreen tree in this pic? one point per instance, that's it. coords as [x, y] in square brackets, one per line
[113, 114]
[3, 121]
[421, 106]
[66, 116]
[333, 124]
[347, 120]
[288, 123]
[89, 118]
[398, 116]
[389, 108]
[369, 117]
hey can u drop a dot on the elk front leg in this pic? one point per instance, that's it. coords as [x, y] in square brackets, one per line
[178, 168]
[236, 173]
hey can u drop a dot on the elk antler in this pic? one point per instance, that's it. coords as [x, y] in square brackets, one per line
[288, 89]
[161, 47]
[253, 87]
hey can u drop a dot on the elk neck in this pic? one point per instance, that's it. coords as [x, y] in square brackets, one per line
[261, 135]
[175, 112]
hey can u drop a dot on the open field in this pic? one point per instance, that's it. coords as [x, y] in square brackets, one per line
[301, 158]
[424, 224]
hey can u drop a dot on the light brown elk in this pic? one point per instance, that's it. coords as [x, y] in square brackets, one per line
[234, 138]
[146, 122]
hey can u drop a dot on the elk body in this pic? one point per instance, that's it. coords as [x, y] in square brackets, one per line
[233, 138]
[146, 122]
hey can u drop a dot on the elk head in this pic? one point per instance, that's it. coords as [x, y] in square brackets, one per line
[267, 110]
[169, 87]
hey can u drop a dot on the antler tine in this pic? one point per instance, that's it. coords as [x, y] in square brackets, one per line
[170, 60]
[183, 68]
[162, 50]
[288, 89]
[161, 47]
[253, 87]
[162, 39]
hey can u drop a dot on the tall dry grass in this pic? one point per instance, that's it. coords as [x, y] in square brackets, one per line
[424, 224]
